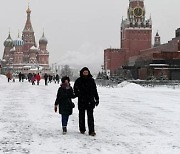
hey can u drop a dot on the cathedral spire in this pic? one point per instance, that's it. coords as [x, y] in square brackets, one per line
[28, 25]
[28, 33]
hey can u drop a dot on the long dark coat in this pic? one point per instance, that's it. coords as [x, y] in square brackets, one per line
[86, 91]
[64, 101]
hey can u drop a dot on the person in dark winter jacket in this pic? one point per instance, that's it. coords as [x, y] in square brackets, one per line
[33, 79]
[63, 100]
[20, 76]
[86, 91]
[46, 79]
[57, 78]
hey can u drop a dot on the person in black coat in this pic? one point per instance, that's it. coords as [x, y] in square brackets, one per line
[45, 79]
[86, 91]
[63, 100]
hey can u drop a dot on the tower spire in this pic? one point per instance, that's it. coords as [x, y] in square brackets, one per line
[28, 25]
[18, 33]
[28, 32]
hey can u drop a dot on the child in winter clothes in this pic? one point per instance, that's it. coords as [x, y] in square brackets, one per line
[63, 100]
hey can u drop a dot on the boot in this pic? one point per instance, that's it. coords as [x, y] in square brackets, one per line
[92, 134]
[64, 129]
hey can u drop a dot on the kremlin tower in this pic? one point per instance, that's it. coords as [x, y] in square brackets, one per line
[136, 35]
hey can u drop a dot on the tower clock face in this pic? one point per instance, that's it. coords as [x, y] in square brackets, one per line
[138, 12]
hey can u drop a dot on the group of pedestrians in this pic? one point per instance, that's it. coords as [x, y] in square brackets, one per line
[86, 91]
[33, 77]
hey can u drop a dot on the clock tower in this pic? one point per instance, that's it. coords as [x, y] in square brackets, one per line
[136, 30]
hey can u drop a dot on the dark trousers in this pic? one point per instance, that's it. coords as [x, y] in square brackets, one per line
[9, 79]
[64, 119]
[90, 119]
[46, 82]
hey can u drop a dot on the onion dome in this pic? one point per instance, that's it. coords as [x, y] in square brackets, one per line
[8, 42]
[43, 40]
[18, 42]
[28, 10]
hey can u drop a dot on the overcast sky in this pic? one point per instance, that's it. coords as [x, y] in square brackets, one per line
[79, 30]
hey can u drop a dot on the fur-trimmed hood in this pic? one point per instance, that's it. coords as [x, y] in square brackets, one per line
[85, 69]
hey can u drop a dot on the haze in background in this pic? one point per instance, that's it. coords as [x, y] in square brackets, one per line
[78, 31]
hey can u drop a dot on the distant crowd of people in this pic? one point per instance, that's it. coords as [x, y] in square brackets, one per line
[33, 77]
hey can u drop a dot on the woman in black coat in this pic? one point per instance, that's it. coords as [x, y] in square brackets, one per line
[63, 100]
[86, 91]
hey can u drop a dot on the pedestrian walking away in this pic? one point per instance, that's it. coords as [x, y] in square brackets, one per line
[63, 100]
[86, 91]
[33, 79]
[9, 76]
[46, 79]
[37, 78]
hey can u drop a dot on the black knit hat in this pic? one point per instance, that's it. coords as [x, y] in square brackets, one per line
[65, 78]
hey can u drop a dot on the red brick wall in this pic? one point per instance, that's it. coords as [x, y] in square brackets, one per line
[136, 39]
[167, 55]
[113, 59]
[142, 73]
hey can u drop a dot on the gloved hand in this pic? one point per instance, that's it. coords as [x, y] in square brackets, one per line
[55, 108]
[97, 102]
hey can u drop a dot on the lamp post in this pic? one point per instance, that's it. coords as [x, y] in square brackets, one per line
[38, 67]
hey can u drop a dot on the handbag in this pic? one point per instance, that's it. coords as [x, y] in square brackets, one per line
[71, 103]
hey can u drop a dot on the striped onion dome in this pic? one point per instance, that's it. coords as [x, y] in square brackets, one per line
[18, 42]
[8, 42]
[43, 40]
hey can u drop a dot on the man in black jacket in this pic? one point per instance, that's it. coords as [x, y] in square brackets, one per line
[86, 91]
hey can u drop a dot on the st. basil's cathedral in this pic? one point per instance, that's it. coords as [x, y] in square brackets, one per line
[23, 54]
[137, 55]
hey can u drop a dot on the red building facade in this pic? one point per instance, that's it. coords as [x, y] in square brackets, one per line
[137, 54]
[23, 54]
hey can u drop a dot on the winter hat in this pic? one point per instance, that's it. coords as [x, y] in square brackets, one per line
[65, 78]
[85, 69]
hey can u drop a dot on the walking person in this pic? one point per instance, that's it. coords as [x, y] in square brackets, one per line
[9, 76]
[33, 79]
[46, 79]
[29, 76]
[86, 91]
[63, 100]
[20, 76]
[37, 78]
[57, 78]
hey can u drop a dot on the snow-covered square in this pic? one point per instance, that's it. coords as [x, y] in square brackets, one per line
[130, 119]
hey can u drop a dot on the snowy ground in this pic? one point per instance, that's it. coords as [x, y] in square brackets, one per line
[129, 120]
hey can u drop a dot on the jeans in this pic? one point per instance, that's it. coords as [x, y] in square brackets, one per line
[64, 119]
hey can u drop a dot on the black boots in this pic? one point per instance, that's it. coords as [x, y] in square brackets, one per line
[92, 134]
[64, 129]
